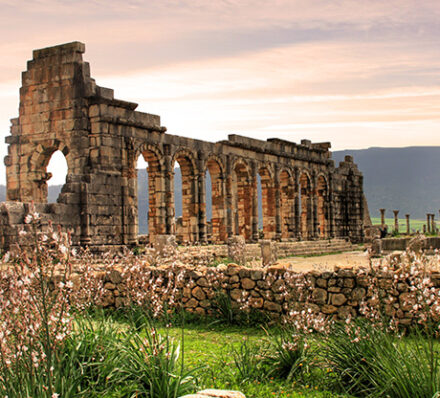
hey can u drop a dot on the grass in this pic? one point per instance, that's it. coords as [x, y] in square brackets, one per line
[212, 349]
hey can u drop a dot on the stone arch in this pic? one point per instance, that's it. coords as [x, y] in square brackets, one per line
[186, 228]
[268, 196]
[37, 164]
[242, 198]
[218, 220]
[287, 202]
[321, 192]
[306, 217]
[156, 190]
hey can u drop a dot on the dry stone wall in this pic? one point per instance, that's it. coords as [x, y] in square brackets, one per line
[275, 290]
[305, 196]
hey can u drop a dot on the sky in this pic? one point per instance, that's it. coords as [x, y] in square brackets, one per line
[357, 73]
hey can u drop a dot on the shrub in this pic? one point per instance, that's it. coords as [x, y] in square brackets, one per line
[289, 355]
[353, 353]
[249, 362]
[151, 364]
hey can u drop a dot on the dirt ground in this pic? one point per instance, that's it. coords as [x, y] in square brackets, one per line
[327, 262]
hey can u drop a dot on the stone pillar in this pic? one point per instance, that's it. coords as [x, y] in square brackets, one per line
[297, 215]
[228, 199]
[85, 216]
[202, 206]
[254, 204]
[433, 228]
[382, 217]
[331, 208]
[169, 194]
[396, 220]
[268, 252]
[424, 228]
[277, 205]
[428, 223]
[408, 229]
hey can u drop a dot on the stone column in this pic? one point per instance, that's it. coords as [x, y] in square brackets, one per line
[277, 204]
[408, 229]
[202, 205]
[85, 216]
[428, 223]
[297, 215]
[169, 194]
[314, 199]
[228, 199]
[254, 203]
[382, 217]
[331, 208]
[433, 229]
[396, 220]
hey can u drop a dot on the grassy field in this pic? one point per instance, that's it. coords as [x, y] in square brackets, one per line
[211, 348]
[415, 225]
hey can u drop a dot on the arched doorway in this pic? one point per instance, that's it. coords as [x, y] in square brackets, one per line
[56, 170]
[149, 194]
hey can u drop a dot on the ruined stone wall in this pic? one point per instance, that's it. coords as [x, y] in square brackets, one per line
[61, 108]
[275, 290]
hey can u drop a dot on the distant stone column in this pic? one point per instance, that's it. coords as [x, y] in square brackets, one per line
[396, 220]
[428, 223]
[382, 217]
[203, 230]
[296, 206]
[254, 214]
[277, 205]
[424, 228]
[408, 229]
[170, 228]
[433, 228]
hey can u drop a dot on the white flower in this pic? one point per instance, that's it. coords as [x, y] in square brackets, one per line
[28, 219]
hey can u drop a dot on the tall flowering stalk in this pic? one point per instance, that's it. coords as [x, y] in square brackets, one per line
[35, 311]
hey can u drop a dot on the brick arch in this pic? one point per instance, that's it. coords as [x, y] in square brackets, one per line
[305, 192]
[37, 163]
[187, 227]
[243, 188]
[218, 221]
[321, 192]
[287, 202]
[268, 196]
[188, 156]
[156, 188]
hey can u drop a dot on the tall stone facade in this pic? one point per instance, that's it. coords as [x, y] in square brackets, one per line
[61, 108]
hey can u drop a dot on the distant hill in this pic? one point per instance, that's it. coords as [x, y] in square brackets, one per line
[405, 179]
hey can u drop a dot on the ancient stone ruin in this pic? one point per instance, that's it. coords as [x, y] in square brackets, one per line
[305, 197]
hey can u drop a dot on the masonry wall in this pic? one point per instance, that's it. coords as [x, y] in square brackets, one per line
[274, 290]
[61, 108]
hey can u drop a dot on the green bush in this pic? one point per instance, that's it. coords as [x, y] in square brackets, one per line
[289, 355]
[151, 364]
[353, 353]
